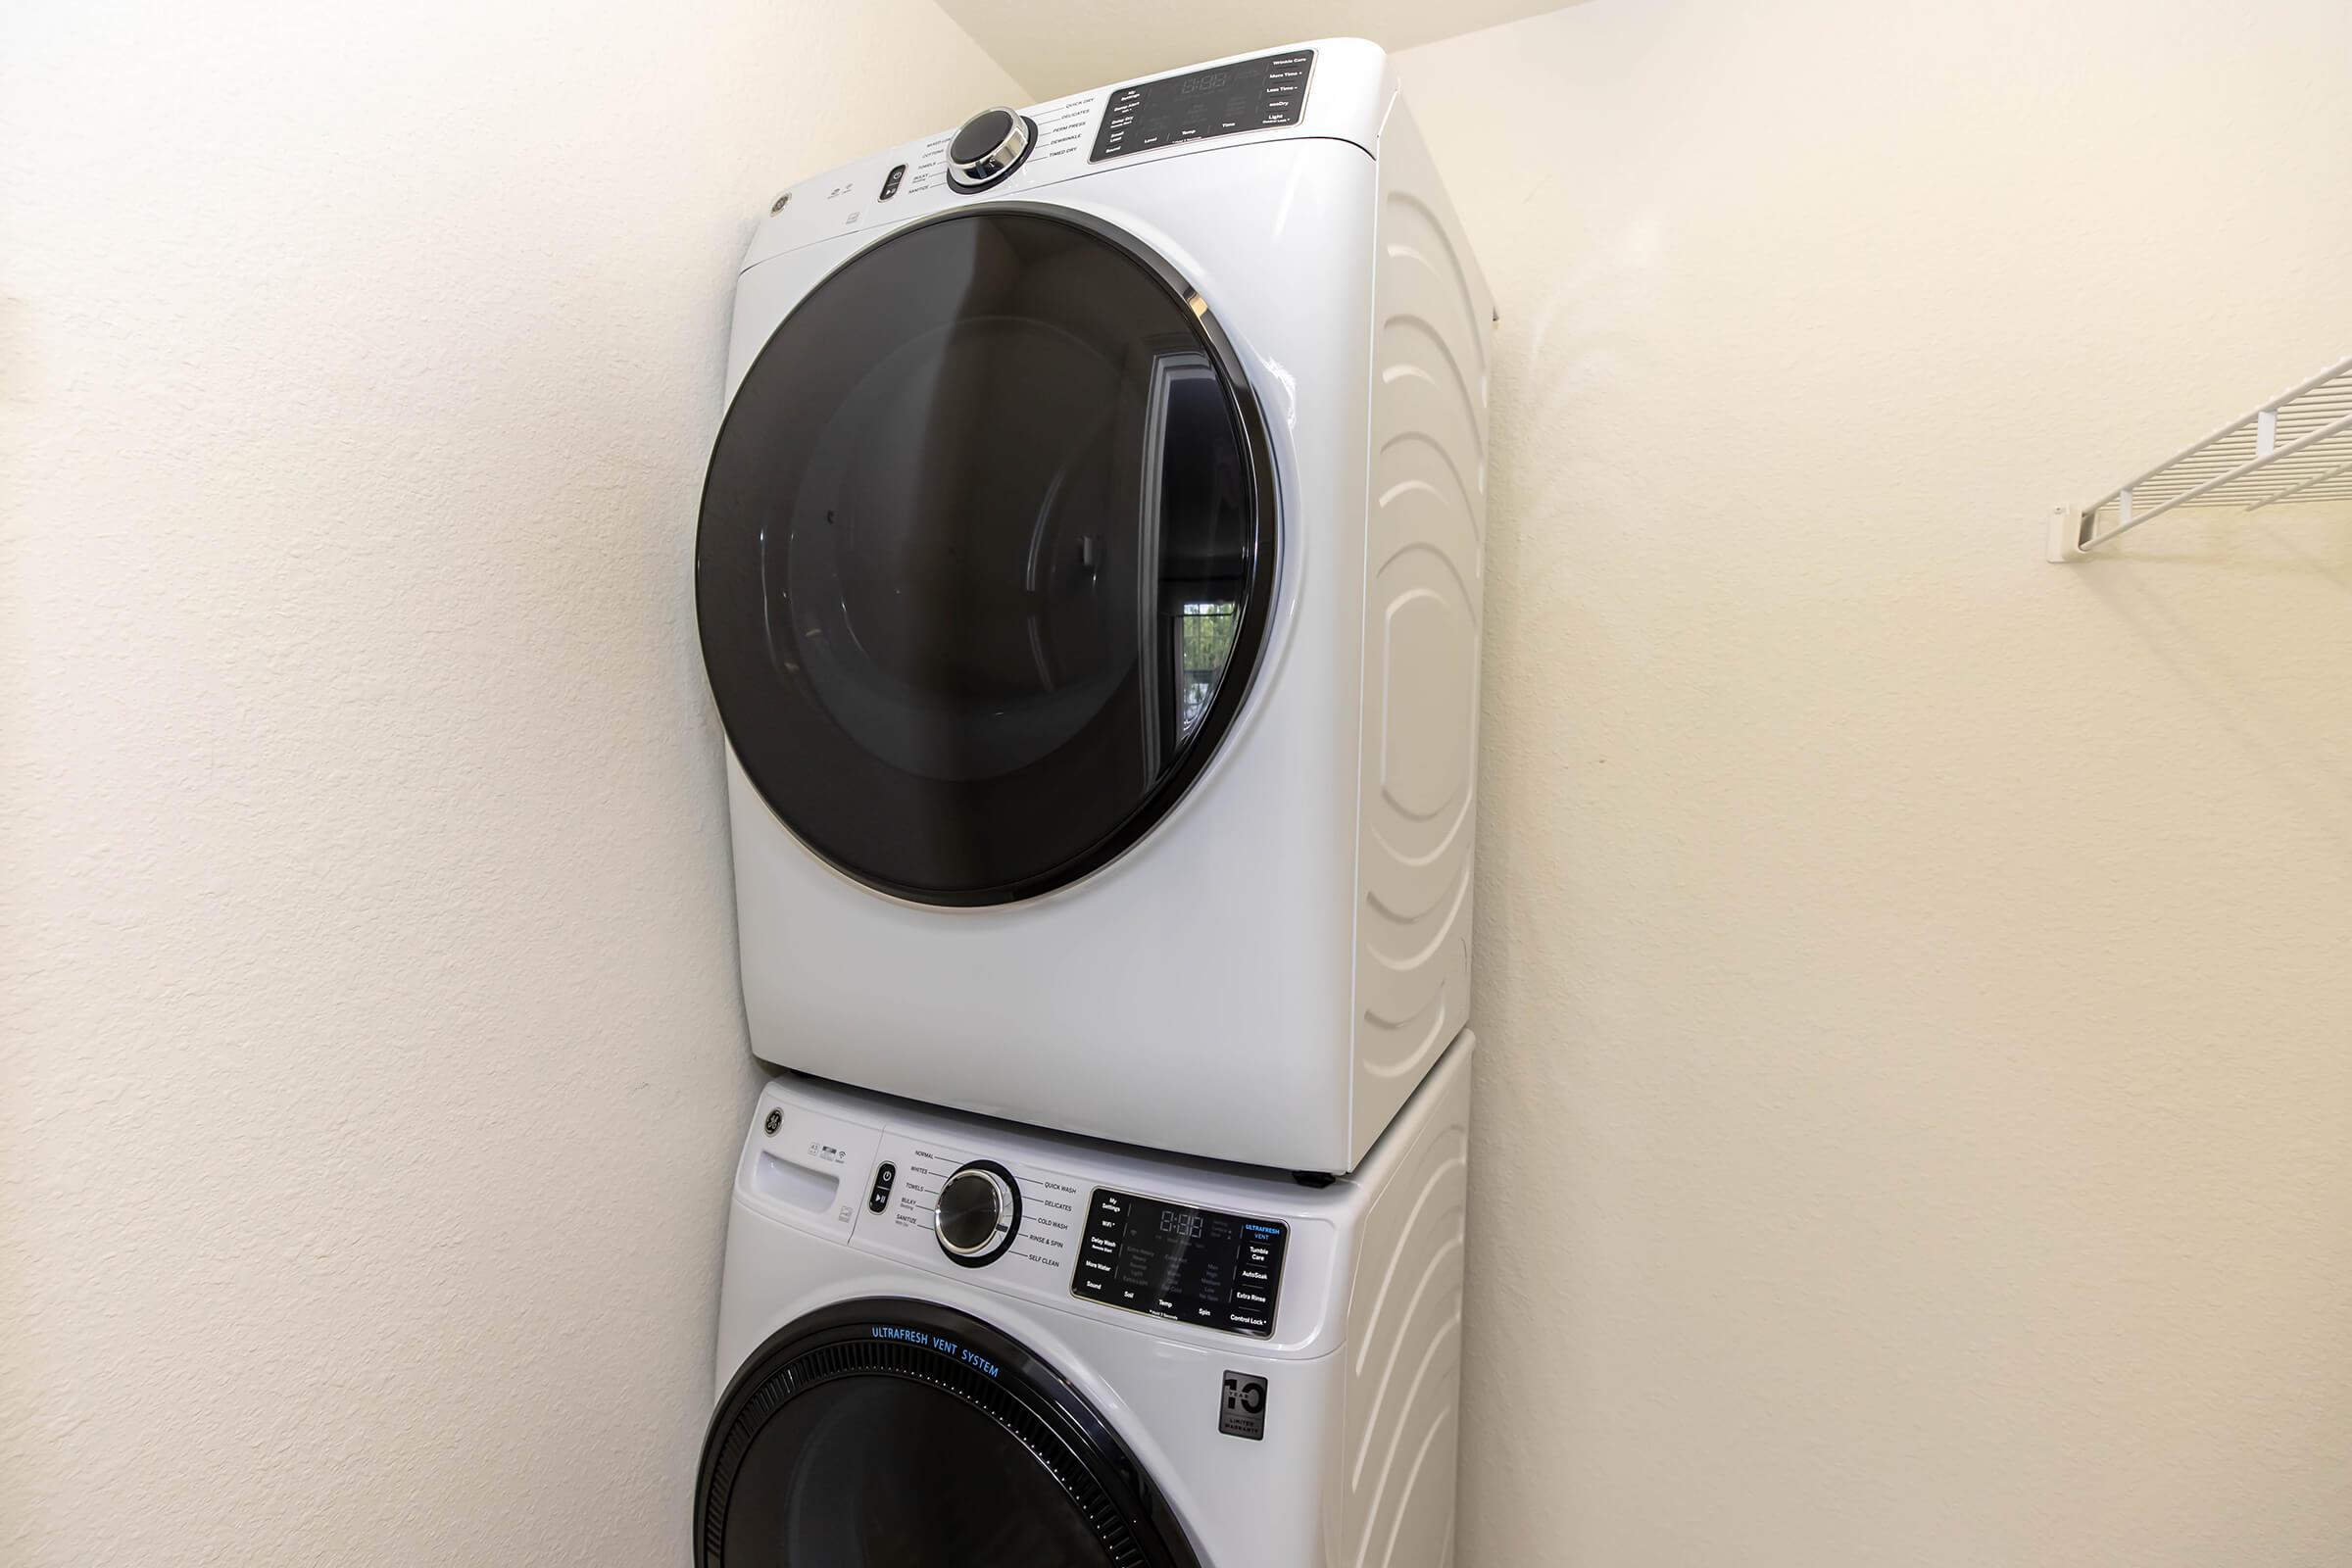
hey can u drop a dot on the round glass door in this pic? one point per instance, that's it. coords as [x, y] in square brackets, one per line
[985, 555]
[893, 1433]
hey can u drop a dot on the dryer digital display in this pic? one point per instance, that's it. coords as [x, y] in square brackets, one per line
[1221, 100]
[1194, 1266]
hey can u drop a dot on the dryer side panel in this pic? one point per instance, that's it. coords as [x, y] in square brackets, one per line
[1424, 581]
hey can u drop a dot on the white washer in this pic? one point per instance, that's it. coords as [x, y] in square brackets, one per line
[1089, 578]
[1280, 1390]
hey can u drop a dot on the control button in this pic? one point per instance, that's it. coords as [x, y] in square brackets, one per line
[890, 182]
[977, 1212]
[990, 146]
[879, 1199]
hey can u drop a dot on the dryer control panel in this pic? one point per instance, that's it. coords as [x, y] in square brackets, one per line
[1215, 101]
[1194, 1266]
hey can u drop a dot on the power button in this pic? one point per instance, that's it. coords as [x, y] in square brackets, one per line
[879, 1199]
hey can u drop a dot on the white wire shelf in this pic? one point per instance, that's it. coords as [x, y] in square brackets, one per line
[2294, 449]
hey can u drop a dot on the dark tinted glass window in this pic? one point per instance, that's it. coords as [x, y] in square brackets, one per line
[900, 1434]
[885, 1473]
[984, 558]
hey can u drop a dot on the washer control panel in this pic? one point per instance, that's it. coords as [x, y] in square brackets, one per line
[1192, 1265]
[1219, 101]
[1177, 1249]
[949, 1207]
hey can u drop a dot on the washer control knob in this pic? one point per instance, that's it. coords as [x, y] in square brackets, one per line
[990, 146]
[978, 1210]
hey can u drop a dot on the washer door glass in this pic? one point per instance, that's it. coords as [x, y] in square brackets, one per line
[985, 555]
[904, 1435]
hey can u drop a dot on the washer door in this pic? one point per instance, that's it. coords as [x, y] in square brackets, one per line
[985, 555]
[893, 1433]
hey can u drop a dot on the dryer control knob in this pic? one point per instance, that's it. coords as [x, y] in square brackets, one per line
[978, 1210]
[990, 146]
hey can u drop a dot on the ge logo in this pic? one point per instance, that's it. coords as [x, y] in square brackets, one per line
[775, 1119]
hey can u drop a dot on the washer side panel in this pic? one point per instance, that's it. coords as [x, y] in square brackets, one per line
[1402, 1360]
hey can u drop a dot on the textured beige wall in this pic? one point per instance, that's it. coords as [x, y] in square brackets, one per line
[1917, 980]
[372, 1057]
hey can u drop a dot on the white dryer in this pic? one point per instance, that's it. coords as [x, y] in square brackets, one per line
[1089, 579]
[949, 1342]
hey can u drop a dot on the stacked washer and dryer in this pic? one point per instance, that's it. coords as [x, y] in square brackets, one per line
[1089, 578]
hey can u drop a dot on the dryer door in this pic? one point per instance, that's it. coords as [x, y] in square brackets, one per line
[893, 1434]
[985, 555]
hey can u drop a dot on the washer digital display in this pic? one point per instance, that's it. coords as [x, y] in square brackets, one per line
[1191, 1265]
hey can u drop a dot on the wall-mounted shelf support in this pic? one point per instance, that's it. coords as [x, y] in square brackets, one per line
[2296, 448]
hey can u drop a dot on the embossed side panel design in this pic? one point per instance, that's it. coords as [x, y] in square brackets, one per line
[1402, 1373]
[1424, 591]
